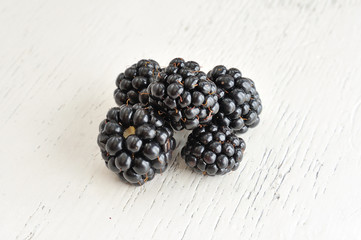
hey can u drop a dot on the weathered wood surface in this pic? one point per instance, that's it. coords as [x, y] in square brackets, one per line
[301, 175]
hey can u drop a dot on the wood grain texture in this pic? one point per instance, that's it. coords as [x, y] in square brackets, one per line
[300, 178]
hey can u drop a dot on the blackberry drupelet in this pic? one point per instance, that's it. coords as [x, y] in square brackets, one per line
[184, 94]
[135, 143]
[132, 84]
[240, 104]
[213, 150]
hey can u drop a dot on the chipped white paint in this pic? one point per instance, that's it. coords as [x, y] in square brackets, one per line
[301, 175]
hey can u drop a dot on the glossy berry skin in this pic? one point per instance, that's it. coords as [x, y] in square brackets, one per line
[133, 82]
[135, 142]
[213, 150]
[240, 104]
[184, 95]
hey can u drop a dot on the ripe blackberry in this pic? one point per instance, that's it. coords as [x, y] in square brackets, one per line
[240, 104]
[184, 94]
[132, 84]
[135, 142]
[213, 150]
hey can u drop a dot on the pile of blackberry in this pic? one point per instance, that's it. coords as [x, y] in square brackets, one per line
[136, 139]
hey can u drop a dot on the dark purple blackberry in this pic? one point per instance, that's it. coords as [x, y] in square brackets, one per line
[184, 94]
[135, 143]
[132, 84]
[240, 104]
[213, 150]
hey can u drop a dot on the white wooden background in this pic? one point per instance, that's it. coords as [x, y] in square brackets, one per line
[301, 175]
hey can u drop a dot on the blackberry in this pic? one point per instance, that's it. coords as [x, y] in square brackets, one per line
[240, 104]
[213, 150]
[184, 94]
[132, 84]
[135, 143]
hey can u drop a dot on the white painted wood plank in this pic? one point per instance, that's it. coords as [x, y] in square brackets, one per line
[301, 173]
